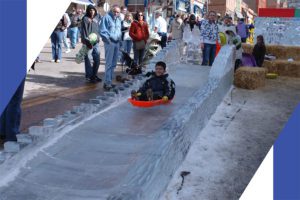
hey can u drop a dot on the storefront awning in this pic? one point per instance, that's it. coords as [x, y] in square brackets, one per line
[83, 2]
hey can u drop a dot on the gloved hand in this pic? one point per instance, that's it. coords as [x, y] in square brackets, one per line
[165, 99]
[88, 44]
[235, 41]
[135, 94]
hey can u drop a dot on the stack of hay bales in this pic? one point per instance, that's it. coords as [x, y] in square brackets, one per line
[250, 77]
[281, 65]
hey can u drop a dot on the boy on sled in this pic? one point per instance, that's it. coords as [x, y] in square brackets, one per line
[158, 86]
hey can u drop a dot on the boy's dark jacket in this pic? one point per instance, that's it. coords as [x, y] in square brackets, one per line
[160, 85]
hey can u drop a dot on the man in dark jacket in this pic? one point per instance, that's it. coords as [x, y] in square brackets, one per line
[159, 86]
[90, 24]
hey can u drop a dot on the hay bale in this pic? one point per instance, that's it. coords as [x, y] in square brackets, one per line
[270, 66]
[250, 77]
[284, 52]
[286, 68]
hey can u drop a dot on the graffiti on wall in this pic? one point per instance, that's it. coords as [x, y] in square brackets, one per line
[280, 31]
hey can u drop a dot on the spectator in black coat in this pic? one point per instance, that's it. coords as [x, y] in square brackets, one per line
[259, 51]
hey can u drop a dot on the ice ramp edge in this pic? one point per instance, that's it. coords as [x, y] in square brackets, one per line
[149, 177]
[52, 128]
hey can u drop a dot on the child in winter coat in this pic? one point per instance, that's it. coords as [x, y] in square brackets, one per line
[159, 86]
[259, 51]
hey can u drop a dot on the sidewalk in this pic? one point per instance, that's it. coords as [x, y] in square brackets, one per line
[51, 77]
[53, 88]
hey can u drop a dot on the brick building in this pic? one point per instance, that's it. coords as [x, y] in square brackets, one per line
[229, 7]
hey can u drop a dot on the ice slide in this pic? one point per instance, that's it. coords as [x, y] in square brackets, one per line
[123, 152]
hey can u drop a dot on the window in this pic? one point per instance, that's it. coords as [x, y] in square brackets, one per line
[135, 2]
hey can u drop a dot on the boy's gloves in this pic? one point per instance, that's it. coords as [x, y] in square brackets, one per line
[135, 94]
[165, 99]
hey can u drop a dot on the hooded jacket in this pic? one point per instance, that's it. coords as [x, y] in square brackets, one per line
[110, 28]
[160, 85]
[90, 25]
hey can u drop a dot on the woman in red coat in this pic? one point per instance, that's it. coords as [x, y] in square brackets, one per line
[139, 33]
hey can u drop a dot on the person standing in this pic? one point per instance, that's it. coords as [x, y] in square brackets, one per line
[177, 28]
[56, 39]
[66, 44]
[127, 41]
[208, 38]
[259, 51]
[160, 28]
[73, 29]
[90, 24]
[110, 31]
[242, 30]
[80, 15]
[123, 13]
[139, 33]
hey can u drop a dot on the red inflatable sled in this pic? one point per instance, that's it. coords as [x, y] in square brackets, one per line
[148, 104]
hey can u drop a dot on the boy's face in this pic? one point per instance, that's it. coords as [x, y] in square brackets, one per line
[159, 70]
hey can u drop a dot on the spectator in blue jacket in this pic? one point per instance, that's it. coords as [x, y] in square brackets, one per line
[110, 31]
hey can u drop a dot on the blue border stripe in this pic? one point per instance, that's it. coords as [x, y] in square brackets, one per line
[12, 49]
[287, 160]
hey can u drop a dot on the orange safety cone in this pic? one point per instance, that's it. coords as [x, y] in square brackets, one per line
[218, 48]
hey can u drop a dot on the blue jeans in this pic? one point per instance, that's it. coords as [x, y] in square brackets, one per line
[138, 55]
[10, 119]
[127, 46]
[111, 58]
[209, 53]
[92, 62]
[163, 42]
[65, 39]
[73, 32]
[56, 41]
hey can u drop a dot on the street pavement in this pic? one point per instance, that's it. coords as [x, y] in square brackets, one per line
[54, 88]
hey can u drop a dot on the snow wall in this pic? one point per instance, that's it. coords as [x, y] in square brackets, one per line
[149, 179]
[278, 31]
